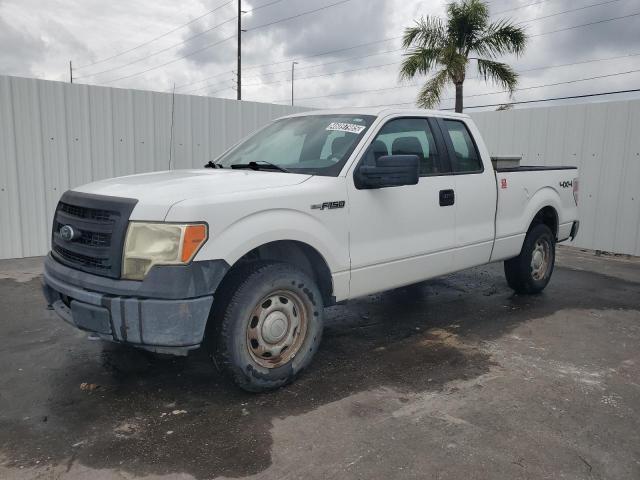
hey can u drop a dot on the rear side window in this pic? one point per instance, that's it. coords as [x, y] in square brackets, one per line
[407, 136]
[467, 157]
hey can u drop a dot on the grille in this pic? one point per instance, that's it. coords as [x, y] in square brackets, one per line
[100, 223]
[88, 213]
[93, 239]
[84, 260]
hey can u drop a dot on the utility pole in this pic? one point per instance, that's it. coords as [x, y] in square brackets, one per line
[70, 72]
[239, 49]
[293, 66]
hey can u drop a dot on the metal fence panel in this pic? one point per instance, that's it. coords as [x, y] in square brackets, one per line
[55, 136]
[602, 140]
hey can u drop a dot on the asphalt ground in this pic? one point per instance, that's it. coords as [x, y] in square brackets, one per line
[449, 379]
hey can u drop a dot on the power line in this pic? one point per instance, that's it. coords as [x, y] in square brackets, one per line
[585, 24]
[323, 74]
[569, 97]
[171, 61]
[395, 63]
[365, 44]
[522, 6]
[533, 87]
[333, 62]
[264, 25]
[205, 79]
[288, 70]
[156, 38]
[570, 11]
[396, 87]
[158, 52]
[216, 43]
[399, 49]
[329, 52]
[349, 48]
[215, 84]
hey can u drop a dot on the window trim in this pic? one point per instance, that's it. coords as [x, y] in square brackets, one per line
[443, 154]
[453, 158]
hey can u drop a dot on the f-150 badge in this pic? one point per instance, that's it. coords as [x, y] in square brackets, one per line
[328, 205]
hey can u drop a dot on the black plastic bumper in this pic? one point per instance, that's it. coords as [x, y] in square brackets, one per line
[167, 312]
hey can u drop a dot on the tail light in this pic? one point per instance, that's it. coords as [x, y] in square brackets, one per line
[576, 189]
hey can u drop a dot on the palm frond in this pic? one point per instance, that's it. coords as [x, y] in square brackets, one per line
[430, 93]
[454, 62]
[498, 73]
[419, 60]
[428, 32]
[466, 21]
[499, 38]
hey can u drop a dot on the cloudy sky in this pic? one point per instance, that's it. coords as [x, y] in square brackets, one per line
[347, 51]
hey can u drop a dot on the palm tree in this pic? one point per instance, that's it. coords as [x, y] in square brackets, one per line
[433, 44]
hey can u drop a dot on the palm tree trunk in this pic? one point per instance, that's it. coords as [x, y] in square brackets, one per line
[459, 97]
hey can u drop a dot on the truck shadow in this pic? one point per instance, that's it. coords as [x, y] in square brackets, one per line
[149, 415]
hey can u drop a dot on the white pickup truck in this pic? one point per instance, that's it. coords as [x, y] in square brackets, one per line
[313, 209]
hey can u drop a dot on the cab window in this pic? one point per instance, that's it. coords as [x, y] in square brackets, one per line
[467, 158]
[407, 136]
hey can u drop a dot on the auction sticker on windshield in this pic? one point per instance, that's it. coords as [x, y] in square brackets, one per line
[346, 127]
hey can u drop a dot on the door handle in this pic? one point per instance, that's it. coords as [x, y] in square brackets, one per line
[447, 197]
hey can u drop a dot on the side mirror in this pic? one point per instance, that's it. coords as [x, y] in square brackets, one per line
[389, 171]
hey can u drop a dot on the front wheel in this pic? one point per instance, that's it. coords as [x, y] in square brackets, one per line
[531, 271]
[270, 325]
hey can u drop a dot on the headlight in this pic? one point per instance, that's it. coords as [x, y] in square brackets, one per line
[149, 244]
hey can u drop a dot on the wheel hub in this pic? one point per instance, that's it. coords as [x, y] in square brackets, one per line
[537, 259]
[275, 327]
[540, 258]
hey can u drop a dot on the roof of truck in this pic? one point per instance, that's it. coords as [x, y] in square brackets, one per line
[379, 111]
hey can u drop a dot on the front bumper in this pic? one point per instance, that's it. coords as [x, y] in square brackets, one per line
[145, 314]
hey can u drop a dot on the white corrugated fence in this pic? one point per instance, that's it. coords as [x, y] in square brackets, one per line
[603, 140]
[54, 136]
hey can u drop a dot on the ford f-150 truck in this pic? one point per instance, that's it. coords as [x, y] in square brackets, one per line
[313, 209]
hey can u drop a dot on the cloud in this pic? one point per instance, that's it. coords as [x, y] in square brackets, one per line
[45, 34]
[21, 51]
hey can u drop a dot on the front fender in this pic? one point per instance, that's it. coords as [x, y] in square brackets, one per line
[259, 228]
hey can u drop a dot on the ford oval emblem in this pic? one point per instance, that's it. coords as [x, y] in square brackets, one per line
[67, 233]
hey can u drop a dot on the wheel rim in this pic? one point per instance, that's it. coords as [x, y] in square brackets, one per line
[277, 328]
[540, 258]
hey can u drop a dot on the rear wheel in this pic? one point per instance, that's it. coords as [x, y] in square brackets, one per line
[531, 271]
[269, 325]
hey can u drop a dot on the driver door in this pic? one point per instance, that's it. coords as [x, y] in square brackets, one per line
[403, 235]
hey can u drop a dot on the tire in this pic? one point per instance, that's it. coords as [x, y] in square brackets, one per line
[531, 271]
[269, 325]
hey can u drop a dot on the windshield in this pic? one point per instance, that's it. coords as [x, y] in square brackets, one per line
[314, 144]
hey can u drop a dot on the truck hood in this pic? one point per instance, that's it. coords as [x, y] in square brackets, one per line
[157, 192]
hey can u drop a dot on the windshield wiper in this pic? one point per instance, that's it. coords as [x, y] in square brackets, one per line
[258, 166]
[212, 164]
